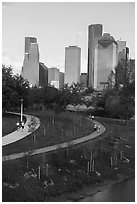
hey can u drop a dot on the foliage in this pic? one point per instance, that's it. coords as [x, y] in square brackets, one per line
[89, 90]
[124, 73]
[75, 93]
[119, 101]
[127, 103]
[35, 95]
[112, 106]
[14, 87]
[56, 99]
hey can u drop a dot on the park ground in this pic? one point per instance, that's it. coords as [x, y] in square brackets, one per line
[66, 170]
[53, 130]
[9, 123]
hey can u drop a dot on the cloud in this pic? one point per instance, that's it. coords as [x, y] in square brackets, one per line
[4, 7]
[57, 62]
[15, 64]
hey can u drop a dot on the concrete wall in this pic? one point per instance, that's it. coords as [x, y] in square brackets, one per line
[72, 64]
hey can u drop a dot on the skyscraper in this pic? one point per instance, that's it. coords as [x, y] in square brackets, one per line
[30, 69]
[121, 50]
[43, 75]
[53, 77]
[72, 64]
[28, 41]
[94, 34]
[61, 80]
[106, 59]
[83, 79]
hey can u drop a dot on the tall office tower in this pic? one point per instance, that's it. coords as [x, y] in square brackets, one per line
[61, 80]
[94, 34]
[106, 59]
[28, 41]
[72, 64]
[43, 75]
[30, 70]
[83, 79]
[121, 50]
[53, 77]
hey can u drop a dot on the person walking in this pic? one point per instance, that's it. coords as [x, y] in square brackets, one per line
[22, 125]
[18, 125]
[98, 129]
[92, 117]
[95, 127]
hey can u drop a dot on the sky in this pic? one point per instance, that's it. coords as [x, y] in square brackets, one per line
[57, 25]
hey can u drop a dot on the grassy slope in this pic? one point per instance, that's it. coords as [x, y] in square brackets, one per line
[9, 123]
[102, 163]
[67, 127]
[77, 177]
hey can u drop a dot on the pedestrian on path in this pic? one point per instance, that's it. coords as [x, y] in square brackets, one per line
[18, 125]
[92, 117]
[22, 125]
[98, 130]
[95, 127]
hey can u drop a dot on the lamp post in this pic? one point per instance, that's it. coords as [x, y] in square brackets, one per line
[21, 108]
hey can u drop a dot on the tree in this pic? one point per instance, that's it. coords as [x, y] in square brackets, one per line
[14, 87]
[111, 80]
[112, 106]
[7, 80]
[89, 90]
[127, 104]
[35, 96]
[124, 73]
[76, 92]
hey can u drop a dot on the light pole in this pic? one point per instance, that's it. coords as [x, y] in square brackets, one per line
[21, 108]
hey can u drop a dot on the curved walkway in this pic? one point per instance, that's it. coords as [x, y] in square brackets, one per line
[19, 134]
[57, 146]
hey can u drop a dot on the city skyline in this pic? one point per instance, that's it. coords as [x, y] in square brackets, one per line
[55, 29]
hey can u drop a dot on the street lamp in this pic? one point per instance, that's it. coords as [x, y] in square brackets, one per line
[21, 108]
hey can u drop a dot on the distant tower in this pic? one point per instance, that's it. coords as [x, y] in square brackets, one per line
[106, 59]
[33, 70]
[61, 80]
[28, 41]
[72, 64]
[30, 70]
[121, 49]
[83, 79]
[53, 77]
[94, 33]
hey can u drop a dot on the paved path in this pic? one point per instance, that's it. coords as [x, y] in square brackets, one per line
[57, 146]
[19, 134]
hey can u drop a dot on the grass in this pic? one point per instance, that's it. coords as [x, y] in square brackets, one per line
[67, 127]
[9, 123]
[70, 176]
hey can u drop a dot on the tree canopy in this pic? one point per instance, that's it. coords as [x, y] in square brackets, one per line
[14, 87]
